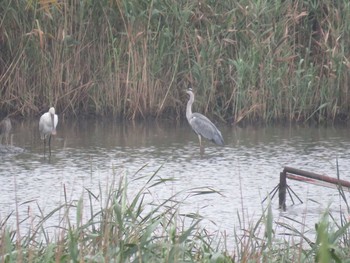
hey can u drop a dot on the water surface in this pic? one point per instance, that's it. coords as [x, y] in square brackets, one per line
[89, 153]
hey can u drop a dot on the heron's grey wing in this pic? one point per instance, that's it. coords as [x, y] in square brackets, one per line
[203, 126]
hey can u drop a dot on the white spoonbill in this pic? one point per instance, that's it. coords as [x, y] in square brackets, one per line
[47, 126]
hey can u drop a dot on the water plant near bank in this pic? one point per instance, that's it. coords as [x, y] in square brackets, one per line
[122, 224]
[119, 225]
[247, 60]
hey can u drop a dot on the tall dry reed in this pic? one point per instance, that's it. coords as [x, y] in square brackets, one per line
[247, 60]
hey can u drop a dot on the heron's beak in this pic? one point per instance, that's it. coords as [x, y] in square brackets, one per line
[53, 132]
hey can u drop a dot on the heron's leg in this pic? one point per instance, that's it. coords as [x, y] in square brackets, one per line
[201, 150]
[8, 138]
[200, 140]
[201, 147]
[50, 145]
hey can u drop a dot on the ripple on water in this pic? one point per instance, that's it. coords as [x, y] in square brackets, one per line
[244, 171]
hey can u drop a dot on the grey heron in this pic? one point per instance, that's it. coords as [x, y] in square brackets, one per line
[201, 125]
[5, 129]
[47, 126]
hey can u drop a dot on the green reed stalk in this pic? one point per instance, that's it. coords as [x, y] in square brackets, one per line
[247, 61]
[121, 226]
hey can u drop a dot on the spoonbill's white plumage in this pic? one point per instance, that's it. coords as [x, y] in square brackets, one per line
[47, 126]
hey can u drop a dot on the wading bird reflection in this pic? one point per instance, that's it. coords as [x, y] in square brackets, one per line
[201, 125]
[47, 126]
[5, 129]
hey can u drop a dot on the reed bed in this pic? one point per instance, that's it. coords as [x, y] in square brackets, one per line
[120, 224]
[247, 60]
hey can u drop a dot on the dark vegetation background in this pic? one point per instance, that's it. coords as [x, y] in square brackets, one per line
[247, 60]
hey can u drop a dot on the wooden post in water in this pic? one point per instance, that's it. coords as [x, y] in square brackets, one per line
[282, 191]
[314, 176]
[302, 176]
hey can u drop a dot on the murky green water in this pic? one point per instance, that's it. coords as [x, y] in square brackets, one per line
[88, 154]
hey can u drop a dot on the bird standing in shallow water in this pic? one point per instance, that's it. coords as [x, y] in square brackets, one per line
[5, 129]
[47, 126]
[201, 125]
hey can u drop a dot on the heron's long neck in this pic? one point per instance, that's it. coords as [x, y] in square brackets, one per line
[189, 106]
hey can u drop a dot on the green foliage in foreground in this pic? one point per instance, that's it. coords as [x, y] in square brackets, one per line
[247, 60]
[134, 227]
[120, 230]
